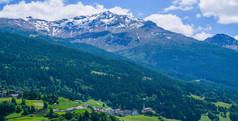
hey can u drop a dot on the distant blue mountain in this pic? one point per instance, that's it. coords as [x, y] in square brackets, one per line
[224, 40]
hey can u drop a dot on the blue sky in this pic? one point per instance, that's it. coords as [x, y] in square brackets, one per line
[202, 17]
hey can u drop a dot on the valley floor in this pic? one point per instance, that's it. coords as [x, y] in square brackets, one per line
[66, 105]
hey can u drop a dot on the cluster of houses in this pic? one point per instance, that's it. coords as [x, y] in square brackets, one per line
[144, 110]
[7, 93]
[117, 112]
[109, 111]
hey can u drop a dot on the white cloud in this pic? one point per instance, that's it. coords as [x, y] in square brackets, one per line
[171, 22]
[5, 1]
[225, 10]
[175, 24]
[183, 5]
[236, 37]
[120, 11]
[207, 28]
[198, 15]
[54, 10]
[202, 36]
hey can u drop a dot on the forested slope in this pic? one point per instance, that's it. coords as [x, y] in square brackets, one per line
[36, 64]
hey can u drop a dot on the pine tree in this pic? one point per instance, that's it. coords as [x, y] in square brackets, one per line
[51, 113]
[13, 101]
[18, 109]
[23, 102]
[33, 109]
[45, 105]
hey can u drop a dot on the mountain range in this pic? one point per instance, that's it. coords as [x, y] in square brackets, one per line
[106, 30]
[119, 59]
[143, 42]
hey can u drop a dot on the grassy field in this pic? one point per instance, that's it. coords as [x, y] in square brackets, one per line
[139, 118]
[9, 99]
[142, 118]
[14, 115]
[80, 111]
[66, 103]
[30, 118]
[222, 104]
[197, 97]
[37, 103]
[205, 118]
[94, 103]
[225, 119]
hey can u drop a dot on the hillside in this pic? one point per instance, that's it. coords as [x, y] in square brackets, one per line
[28, 63]
[192, 60]
[140, 41]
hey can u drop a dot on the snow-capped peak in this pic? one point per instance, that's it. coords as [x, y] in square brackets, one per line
[70, 27]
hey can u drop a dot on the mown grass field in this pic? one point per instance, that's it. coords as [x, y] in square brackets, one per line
[197, 97]
[37, 103]
[94, 103]
[9, 99]
[30, 118]
[222, 104]
[66, 103]
[142, 118]
[139, 118]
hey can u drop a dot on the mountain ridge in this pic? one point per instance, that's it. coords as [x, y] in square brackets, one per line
[140, 41]
[106, 30]
[223, 40]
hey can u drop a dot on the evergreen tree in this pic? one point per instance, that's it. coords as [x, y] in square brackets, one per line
[51, 113]
[33, 109]
[68, 115]
[86, 114]
[6, 108]
[23, 101]
[26, 110]
[18, 109]
[45, 105]
[13, 101]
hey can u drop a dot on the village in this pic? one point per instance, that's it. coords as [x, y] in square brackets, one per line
[110, 111]
[122, 113]
[117, 112]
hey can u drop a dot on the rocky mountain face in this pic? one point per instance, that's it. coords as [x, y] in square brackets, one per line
[224, 40]
[106, 30]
